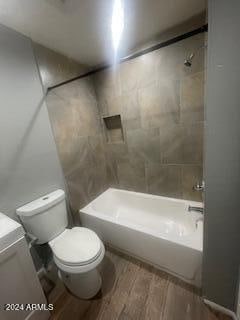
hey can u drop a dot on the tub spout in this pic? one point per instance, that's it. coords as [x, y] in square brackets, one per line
[196, 209]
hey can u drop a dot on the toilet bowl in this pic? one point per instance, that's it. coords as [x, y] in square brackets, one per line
[77, 264]
[77, 252]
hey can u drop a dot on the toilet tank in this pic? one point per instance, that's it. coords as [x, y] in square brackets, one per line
[46, 217]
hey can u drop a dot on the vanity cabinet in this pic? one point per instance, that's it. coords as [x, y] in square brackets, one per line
[20, 289]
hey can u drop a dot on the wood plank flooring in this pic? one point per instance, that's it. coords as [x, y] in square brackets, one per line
[132, 290]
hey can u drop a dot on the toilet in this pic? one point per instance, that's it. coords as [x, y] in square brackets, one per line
[77, 252]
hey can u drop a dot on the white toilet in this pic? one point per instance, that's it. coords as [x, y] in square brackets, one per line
[77, 252]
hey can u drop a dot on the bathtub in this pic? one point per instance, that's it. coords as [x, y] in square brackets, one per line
[155, 229]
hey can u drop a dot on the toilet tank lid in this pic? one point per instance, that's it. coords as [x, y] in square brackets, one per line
[41, 204]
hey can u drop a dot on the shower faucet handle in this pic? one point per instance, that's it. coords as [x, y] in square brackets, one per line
[199, 186]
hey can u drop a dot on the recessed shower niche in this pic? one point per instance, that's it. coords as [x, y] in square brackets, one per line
[113, 129]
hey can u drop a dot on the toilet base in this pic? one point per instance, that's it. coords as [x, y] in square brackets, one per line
[84, 285]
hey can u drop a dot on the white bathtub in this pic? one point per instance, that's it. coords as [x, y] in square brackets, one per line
[157, 230]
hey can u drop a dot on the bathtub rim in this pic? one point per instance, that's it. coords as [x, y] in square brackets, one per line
[145, 195]
[187, 241]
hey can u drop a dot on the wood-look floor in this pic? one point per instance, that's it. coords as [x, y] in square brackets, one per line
[132, 290]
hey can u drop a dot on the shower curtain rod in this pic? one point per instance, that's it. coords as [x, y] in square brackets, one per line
[160, 45]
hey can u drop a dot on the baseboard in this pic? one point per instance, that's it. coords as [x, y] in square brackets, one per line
[221, 309]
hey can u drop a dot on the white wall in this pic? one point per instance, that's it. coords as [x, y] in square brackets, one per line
[29, 164]
[222, 158]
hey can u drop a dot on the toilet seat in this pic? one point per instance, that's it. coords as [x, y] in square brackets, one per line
[76, 247]
[78, 269]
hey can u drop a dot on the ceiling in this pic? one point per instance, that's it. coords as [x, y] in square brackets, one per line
[82, 29]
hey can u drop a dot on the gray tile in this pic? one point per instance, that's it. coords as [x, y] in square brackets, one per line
[169, 98]
[131, 175]
[149, 103]
[118, 152]
[172, 139]
[77, 157]
[113, 105]
[170, 62]
[102, 106]
[111, 170]
[182, 144]
[108, 91]
[144, 144]
[65, 124]
[77, 128]
[82, 89]
[97, 180]
[57, 113]
[76, 116]
[112, 178]
[193, 144]
[138, 72]
[86, 117]
[77, 183]
[96, 150]
[191, 175]
[131, 124]
[107, 83]
[159, 103]
[164, 180]
[85, 183]
[192, 98]
[130, 105]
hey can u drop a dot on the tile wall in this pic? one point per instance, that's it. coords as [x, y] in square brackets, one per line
[79, 137]
[161, 104]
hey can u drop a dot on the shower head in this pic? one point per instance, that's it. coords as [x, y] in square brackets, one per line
[188, 61]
